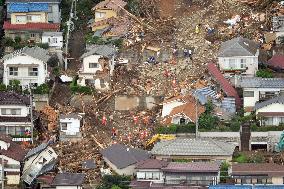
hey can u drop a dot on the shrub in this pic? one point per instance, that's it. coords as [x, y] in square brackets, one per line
[264, 73]
[224, 172]
[42, 89]
[173, 129]
[18, 39]
[3, 87]
[56, 71]
[53, 61]
[7, 41]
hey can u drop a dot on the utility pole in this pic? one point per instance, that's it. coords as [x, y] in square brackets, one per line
[196, 117]
[31, 114]
[70, 28]
[2, 174]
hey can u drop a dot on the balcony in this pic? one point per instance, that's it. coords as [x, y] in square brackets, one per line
[190, 182]
[267, 96]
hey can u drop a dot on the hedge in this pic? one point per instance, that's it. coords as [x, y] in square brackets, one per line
[173, 129]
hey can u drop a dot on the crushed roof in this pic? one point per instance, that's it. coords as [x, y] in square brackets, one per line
[276, 61]
[71, 115]
[36, 150]
[270, 169]
[238, 47]
[104, 50]
[193, 167]
[193, 147]
[225, 84]
[12, 98]
[32, 26]
[278, 23]
[257, 82]
[122, 156]
[68, 179]
[15, 151]
[276, 100]
[110, 4]
[35, 52]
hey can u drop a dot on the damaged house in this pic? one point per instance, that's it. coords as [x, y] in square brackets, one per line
[70, 127]
[97, 67]
[38, 161]
[278, 28]
[110, 19]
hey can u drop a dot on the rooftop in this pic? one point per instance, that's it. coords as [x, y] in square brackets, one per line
[229, 90]
[276, 100]
[110, 4]
[122, 156]
[32, 26]
[55, 34]
[277, 61]
[36, 150]
[70, 116]
[11, 98]
[193, 167]
[29, 1]
[238, 47]
[15, 151]
[193, 147]
[35, 52]
[103, 50]
[256, 82]
[269, 169]
[68, 179]
[151, 164]
[27, 7]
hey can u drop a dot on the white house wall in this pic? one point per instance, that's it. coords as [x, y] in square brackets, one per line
[168, 107]
[24, 110]
[272, 108]
[250, 101]
[73, 125]
[91, 59]
[59, 43]
[68, 187]
[251, 64]
[4, 145]
[23, 76]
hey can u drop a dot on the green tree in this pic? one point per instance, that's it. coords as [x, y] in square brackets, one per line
[42, 89]
[115, 187]
[224, 172]
[207, 120]
[109, 181]
[264, 73]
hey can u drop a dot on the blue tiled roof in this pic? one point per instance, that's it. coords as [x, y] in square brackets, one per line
[27, 7]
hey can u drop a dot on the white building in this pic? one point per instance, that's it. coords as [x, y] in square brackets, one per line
[278, 27]
[238, 56]
[170, 104]
[97, 67]
[70, 127]
[14, 114]
[13, 154]
[38, 161]
[259, 90]
[271, 112]
[28, 65]
[54, 39]
[68, 181]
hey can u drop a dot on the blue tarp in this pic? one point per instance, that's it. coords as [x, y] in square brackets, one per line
[27, 7]
[247, 187]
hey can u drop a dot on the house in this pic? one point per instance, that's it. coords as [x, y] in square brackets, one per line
[28, 65]
[259, 90]
[278, 27]
[53, 39]
[193, 149]
[97, 67]
[271, 112]
[70, 127]
[276, 62]
[122, 159]
[15, 117]
[29, 19]
[182, 110]
[154, 173]
[257, 173]
[38, 161]
[224, 87]
[238, 56]
[68, 181]
[110, 19]
[13, 155]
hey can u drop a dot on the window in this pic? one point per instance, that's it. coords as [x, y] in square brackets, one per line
[14, 111]
[32, 35]
[248, 93]
[52, 40]
[2, 129]
[13, 71]
[232, 63]
[156, 175]
[100, 14]
[281, 120]
[50, 9]
[259, 181]
[34, 18]
[50, 152]
[141, 175]
[268, 121]
[149, 175]
[93, 65]
[243, 63]
[11, 130]
[21, 19]
[33, 71]
[63, 126]
[20, 130]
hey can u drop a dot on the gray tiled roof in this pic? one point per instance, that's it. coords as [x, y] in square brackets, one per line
[35, 52]
[278, 100]
[193, 147]
[68, 179]
[256, 82]
[11, 98]
[104, 50]
[238, 47]
[26, 1]
[278, 23]
[36, 150]
[122, 156]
